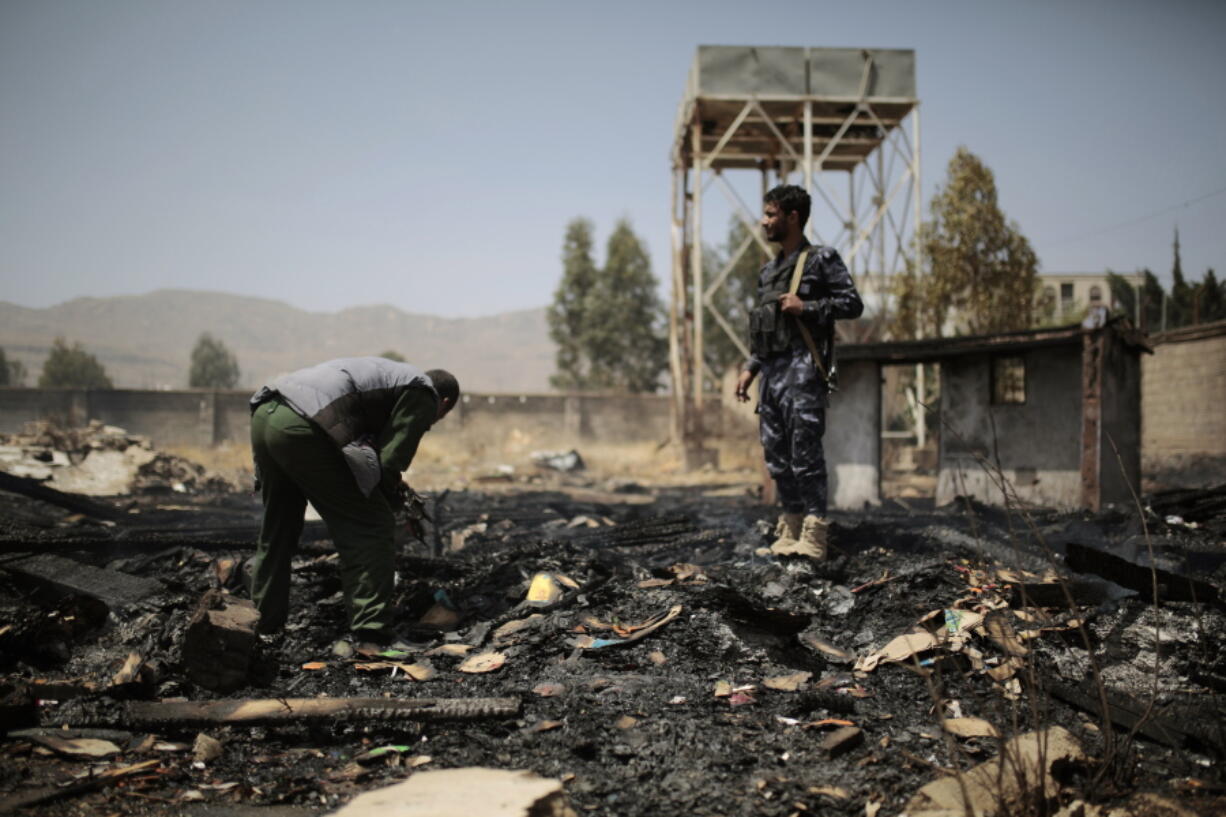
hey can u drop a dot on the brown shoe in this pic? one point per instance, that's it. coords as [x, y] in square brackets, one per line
[787, 531]
[812, 540]
[813, 534]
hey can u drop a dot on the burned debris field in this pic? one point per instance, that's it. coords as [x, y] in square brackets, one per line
[638, 647]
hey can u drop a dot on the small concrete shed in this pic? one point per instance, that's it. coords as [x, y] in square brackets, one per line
[1055, 412]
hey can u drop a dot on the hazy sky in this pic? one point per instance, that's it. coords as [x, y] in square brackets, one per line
[429, 155]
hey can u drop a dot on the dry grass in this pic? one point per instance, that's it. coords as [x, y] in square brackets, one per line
[447, 459]
[451, 459]
[231, 460]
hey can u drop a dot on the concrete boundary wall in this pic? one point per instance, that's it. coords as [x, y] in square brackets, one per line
[203, 418]
[1183, 407]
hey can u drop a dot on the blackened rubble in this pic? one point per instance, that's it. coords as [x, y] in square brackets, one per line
[693, 717]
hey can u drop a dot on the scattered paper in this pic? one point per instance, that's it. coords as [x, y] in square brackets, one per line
[970, 728]
[485, 662]
[78, 747]
[787, 683]
[626, 633]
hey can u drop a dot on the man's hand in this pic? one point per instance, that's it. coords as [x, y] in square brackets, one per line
[791, 304]
[415, 511]
[742, 385]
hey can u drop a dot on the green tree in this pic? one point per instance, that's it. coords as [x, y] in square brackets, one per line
[392, 354]
[1122, 294]
[567, 315]
[623, 338]
[72, 368]
[980, 272]
[213, 365]
[1211, 296]
[12, 372]
[1179, 305]
[1152, 295]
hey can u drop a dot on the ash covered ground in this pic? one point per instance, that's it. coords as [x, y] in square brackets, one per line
[727, 705]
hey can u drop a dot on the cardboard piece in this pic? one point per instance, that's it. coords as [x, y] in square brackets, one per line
[453, 793]
[1025, 763]
[970, 728]
[787, 683]
[485, 662]
[948, 628]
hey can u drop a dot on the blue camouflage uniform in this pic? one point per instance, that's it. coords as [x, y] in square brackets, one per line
[793, 396]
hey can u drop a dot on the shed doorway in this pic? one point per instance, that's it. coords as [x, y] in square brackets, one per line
[910, 432]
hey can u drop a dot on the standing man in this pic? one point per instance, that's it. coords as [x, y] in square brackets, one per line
[339, 435]
[801, 292]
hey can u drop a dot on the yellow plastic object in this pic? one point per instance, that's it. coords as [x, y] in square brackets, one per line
[544, 590]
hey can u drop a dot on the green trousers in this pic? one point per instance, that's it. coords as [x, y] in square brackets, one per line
[298, 462]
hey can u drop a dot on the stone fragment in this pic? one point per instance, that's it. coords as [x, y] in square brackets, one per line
[206, 748]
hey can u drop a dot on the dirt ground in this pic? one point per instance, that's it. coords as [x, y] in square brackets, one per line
[680, 670]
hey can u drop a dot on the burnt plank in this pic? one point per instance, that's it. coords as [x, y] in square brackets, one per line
[1171, 586]
[72, 502]
[112, 588]
[1124, 712]
[1052, 594]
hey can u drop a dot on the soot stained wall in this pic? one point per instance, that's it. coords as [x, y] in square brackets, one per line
[1037, 444]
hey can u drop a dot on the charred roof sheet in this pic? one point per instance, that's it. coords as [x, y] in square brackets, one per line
[933, 349]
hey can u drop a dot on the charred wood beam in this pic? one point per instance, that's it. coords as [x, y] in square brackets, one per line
[1171, 586]
[125, 543]
[1193, 504]
[259, 711]
[1128, 713]
[70, 502]
[52, 793]
[139, 538]
[111, 587]
[1053, 594]
[644, 532]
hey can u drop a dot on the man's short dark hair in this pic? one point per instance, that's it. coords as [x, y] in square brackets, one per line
[790, 198]
[445, 384]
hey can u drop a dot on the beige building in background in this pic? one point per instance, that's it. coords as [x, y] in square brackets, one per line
[1064, 296]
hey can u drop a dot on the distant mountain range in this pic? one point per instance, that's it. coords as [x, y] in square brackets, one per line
[145, 341]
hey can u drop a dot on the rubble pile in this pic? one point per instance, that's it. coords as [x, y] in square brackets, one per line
[1204, 507]
[646, 657]
[101, 460]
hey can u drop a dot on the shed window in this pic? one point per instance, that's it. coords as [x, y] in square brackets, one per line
[1008, 380]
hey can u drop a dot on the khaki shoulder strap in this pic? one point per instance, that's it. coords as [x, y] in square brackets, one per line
[797, 272]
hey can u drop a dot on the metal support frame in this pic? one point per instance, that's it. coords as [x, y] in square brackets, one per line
[819, 136]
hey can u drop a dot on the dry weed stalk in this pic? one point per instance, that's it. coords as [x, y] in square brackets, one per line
[1115, 754]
